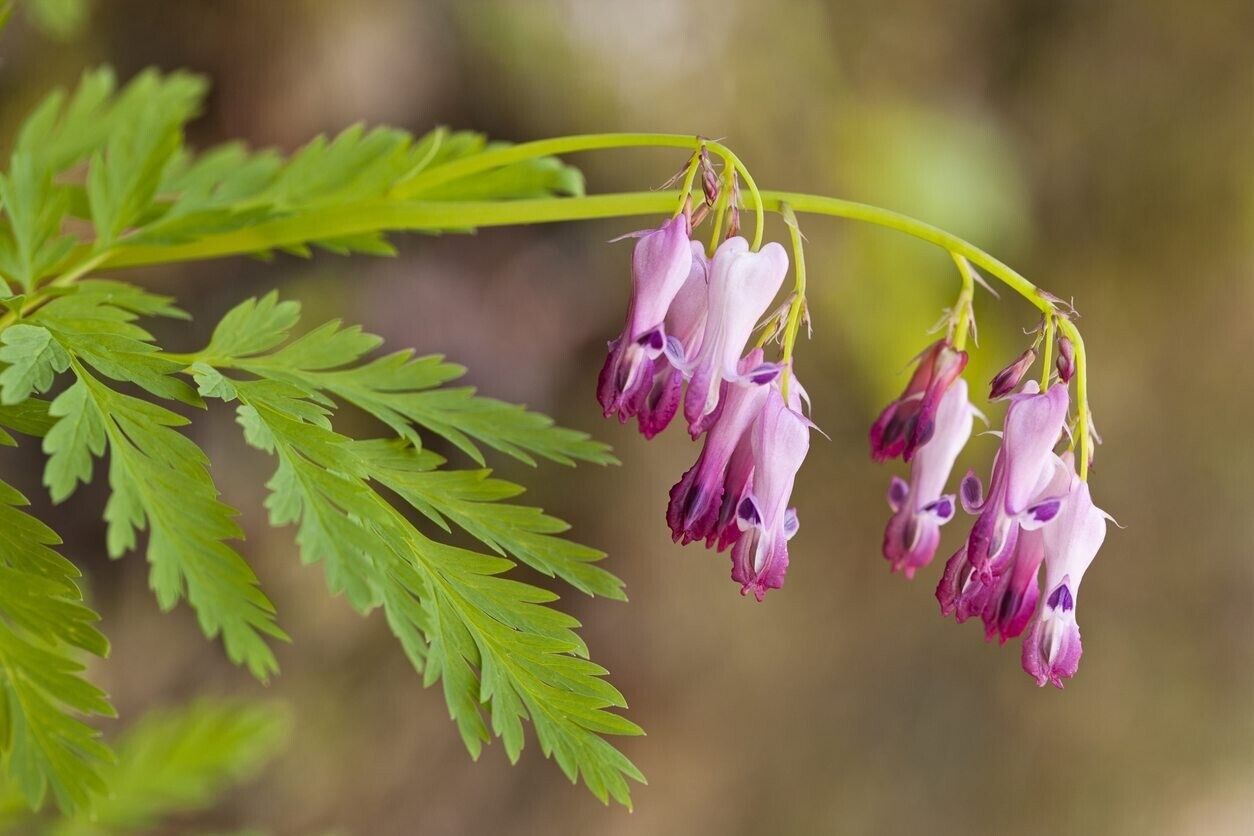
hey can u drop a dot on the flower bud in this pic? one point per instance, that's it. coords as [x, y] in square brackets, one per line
[1008, 379]
[1066, 360]
[709, 179]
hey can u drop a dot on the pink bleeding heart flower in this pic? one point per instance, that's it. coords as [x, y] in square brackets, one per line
[742, 285]
[1012, 597]
[740, 468]
[660, 265]
[999, 596]
[1052, 649]
[908, 423]
[684, 324]
[699, 497]
[920, 506]
[781, 439]
[1034, 422]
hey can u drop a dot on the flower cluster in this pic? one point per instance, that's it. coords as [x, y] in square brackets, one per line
[1037, 511]
[689, 321]
[685, 347]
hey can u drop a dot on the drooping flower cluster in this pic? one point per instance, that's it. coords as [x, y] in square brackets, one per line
[685, 347]
[1037, 511]
[690, 320]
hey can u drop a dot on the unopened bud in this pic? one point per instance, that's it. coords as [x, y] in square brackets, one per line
[1066, 360]
[709, 178]
[1008, 379]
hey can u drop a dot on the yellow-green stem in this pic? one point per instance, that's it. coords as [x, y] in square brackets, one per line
[963, 310]
[689, 176]
[448, 172]
[392, 213]
[720, 209]
[1068, 329]
[1047, 353]
[793, 323]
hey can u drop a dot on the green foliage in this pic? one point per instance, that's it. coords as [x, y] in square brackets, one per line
[171, 762]
[30, 417]
[43, 695]
[175, 761]
[34, 357]
[101, 177]
[160, 481]
[31, 245]
[474, 501]
[60, 19]
[489, 638]
[398, 388]
[144, 189]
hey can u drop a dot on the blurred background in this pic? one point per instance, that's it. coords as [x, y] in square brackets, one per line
[1103, 148]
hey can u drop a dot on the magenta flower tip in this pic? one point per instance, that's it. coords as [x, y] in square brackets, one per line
[1066, 360]
[1009, 378]
[908, 422]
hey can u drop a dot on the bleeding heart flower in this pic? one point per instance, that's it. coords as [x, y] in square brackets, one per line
[660, 265]
[684, 323]
[742, 285]
[781, 439]
[1033, 425]
[1052, 648]
[920, 506]
[698, 497]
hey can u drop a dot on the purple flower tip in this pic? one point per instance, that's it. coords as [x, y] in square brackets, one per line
[908, 423]
[1060, 599]
[1066, 360]
[1009, 378]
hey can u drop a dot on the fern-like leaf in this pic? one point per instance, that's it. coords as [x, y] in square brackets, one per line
[43, 694]
[502, 655]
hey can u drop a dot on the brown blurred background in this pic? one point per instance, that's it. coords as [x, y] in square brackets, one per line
[1103, 148]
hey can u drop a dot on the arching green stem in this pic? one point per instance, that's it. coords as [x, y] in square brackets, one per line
[414, 185]
[392, 214]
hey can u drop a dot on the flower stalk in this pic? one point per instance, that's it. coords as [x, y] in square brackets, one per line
[1047, 356]
[798, 306]
[964, 311]
[405, 210]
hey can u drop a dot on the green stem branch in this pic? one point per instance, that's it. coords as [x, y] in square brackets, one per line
[391, 214]
[414, 185]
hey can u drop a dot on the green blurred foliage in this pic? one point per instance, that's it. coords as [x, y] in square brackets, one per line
[170, 763]
[63, 20]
